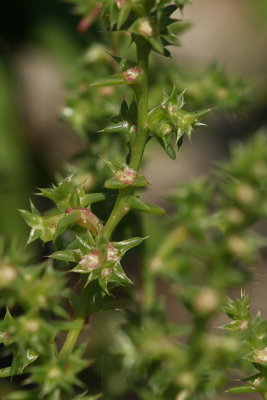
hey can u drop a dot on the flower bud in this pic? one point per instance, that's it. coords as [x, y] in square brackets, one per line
[112, 253]
[172, 109]
[206, 301]
[87, 219]
[91, 260]
[246, 194]
[7, 274]
[32, 325]
[187, 379]
[54, 373]
[256, 382]
[237, 245]
[106, 272]
[131, 74]
[243, 325]
[259, 169]
[260, 356]
[127, 175]
[145, 28]
[166, 129]
[234, 216]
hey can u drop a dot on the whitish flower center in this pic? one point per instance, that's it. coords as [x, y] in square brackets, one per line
[145, 27]
[91, 260]
[132, 73]
[127, 175]
[113, 253]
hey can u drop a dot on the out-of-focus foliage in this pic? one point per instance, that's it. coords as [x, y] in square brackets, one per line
[14, 168]
[209, 248]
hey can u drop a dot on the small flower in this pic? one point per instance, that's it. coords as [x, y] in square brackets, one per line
[91, 260]
[145, 27]
[87, 219]
[206, 301]
[237, 245]
[246, 194]
[256, 382]
[54, 373]
[243, 325]
[127, 175]
[7, 274]
[106, 272]
[32, 325]
[234, 216]
[113, 253]
[166, 129]
[172, 109]
[260, 356]
[132, 74]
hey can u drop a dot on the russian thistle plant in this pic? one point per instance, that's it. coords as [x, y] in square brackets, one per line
[205, 248]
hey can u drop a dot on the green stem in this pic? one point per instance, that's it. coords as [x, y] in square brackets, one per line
[80, 317]
[121, 207]
[171, 242]
[71, 340]
[142, 105]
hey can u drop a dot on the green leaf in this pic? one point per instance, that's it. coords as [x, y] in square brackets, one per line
[128, 244]
[242, 389]
[114, 183]
[119, 127]
[66, 255]
[91, 198]
[23, 395]
[137, 204]
[112, 80]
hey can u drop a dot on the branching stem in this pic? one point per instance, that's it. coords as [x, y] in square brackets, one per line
[121, 207]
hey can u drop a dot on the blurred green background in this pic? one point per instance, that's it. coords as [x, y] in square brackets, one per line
[39, 47]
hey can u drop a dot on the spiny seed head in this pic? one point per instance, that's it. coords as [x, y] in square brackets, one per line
[131, 74]
[127, 175]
